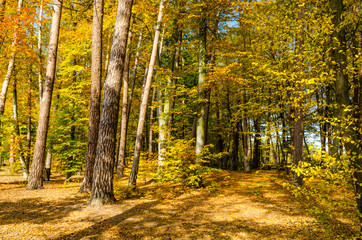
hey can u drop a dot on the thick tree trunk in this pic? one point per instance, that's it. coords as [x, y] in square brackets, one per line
[144, 100]
[95, 98]
[36, 174]
[200, 129]
[102, 187]
[11, 65]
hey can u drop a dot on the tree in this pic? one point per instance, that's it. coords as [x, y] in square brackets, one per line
[200, 130]
[11, 65]
[123, 125]
[36, 173]
[95, 99]
[298, 109]
[144, 100]
[102, 188]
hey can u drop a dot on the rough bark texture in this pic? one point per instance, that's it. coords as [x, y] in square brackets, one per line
[102, 187]
[11, 65]
[144, 100]
[200, 129]
[122, 129]
[95, 98]
[36, 173]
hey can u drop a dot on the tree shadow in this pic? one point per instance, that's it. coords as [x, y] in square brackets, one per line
[37, 211]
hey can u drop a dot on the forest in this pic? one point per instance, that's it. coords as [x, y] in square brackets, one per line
[181, 109]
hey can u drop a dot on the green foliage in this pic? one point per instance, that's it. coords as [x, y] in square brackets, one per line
[179, 165]
[327, 187]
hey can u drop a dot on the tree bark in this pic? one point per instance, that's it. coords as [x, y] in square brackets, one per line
[245, 139]
[150, 136]
[256, 155]
[125, 119]
[235, 152]
[40, 77]
[122, 132]
[200, 129]
[48, 165]
[28, 135]
[95, 98]
[35, 178]
[102, 187]
[144, 100]
[25, 168]
[298, 108]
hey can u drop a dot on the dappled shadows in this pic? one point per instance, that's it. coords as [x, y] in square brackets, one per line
[94, 231]
[38, 211]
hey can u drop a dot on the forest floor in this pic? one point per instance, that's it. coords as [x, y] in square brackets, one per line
[233, 205]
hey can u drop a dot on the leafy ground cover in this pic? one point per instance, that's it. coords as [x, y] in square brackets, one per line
[232, 205]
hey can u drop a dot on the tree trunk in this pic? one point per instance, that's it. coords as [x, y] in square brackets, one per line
[150, 137]
[174, 79]
[28, 135]
[144, 100]
[11, 65]
[298, 109]
[126, 108]
[48, 165]
[95, 98]
[235, 152]
[200, 129]
[40, 77]
[120, 162]
[35, 178]
[102, 187]
[245, 139]
[256, 155]
[17, 132]
[220, 142]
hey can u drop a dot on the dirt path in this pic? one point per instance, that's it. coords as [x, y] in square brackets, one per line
[234, 206]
